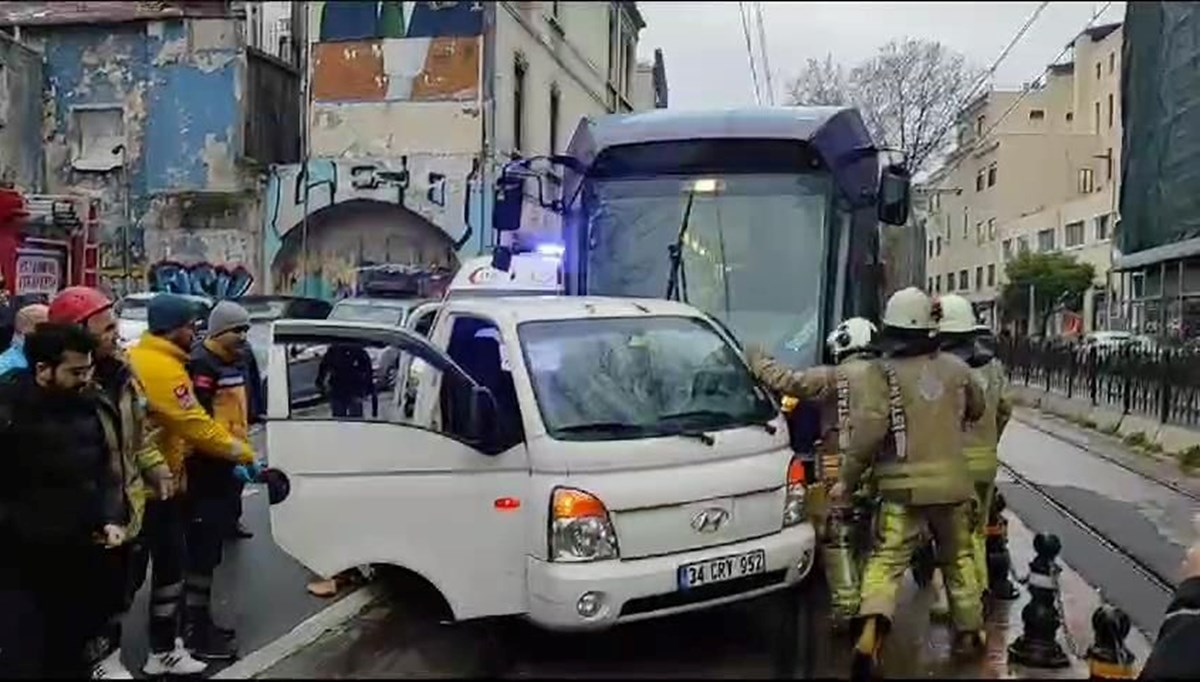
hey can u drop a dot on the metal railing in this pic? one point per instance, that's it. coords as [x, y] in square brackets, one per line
[1162, 384]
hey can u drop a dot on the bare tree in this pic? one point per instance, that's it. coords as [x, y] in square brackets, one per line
[909, 95]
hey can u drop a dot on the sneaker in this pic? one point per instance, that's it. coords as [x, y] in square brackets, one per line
[111, 668]
[175, 662]
[208, 643]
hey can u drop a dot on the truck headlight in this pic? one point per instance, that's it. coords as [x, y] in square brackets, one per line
[794, 510]
[580, 529]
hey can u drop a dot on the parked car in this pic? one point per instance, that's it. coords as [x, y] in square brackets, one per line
[1107, 340]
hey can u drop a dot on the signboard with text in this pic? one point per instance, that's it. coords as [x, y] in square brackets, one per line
[38, 273]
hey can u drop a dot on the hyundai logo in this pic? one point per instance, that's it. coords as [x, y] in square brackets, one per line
[710, 520]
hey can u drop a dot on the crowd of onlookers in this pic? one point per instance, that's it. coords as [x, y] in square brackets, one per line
[119, 464]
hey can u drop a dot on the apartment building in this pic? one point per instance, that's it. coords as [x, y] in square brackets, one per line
[414, 108]
[1034, 170]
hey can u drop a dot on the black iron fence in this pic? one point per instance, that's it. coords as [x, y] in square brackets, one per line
[1162, 384]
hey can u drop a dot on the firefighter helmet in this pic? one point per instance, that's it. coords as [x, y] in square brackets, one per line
[851, 335]
[74, 305]
[958, 316]
[909, 309]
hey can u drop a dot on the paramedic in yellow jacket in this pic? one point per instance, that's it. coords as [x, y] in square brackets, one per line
[186, 430]
[959, 334]
[921, 476]
[853, 399]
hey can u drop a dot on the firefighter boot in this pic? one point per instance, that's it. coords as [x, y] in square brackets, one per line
[205, 639]
[939, 610]
[865, 662]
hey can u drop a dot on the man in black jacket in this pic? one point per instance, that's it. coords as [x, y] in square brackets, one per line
[62, 504]
[1174, 655]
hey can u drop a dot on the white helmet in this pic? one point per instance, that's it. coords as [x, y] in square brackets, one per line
[909, 309]
[957, 315]
[853, 334]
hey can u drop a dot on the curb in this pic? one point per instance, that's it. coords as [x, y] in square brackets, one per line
[302, 635]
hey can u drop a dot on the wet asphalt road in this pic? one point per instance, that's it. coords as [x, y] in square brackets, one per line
[1145, 518]
[258, 590]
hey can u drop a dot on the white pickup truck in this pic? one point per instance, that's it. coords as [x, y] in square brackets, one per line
[580, 462]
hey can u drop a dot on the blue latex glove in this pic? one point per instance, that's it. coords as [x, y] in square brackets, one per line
[245, 474]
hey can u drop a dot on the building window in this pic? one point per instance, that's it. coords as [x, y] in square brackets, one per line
[1070, 117]
[1022, 244]
[614, 42]
[519, 103]
[978, 277]
[1108, 165]
[1046, 240]
[979, 180]
[1037, 114]
[991, 233]
[937, 284]
[1096, 106]
[1097, 70]
[101, 138]
[1006, 249]
[979, 125]
[554, 119]
[1112, 62]
[929, 285]
[979, 232]
[1102, 227]
[1073, 234]
[931, 248]
[991, 175]
[554, 9]
[1110, 110]
[1087, 181]
[964, 281]
[966, 220]
[991, 274]
[939, 246]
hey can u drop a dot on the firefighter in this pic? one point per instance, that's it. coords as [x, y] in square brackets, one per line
[961, 336]
[853, 398]
[921, 476]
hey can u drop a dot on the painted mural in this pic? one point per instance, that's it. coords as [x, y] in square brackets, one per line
[416, 210]
[397, 51]
[201, 279]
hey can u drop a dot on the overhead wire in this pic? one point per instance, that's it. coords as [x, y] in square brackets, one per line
[762, 48]
[750, 53]
[991, 70]
[1012, 107]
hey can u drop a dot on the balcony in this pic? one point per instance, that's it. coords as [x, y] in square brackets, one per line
[273, 109]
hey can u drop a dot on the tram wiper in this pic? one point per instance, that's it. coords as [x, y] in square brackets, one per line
[677, 279]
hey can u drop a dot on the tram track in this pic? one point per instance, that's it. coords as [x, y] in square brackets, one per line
[1149, 573]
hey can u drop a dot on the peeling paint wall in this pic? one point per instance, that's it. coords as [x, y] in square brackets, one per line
[417, 210]
[20, 116]
[172, 90]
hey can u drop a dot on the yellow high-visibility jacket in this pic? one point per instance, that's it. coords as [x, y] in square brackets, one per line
[187, 430]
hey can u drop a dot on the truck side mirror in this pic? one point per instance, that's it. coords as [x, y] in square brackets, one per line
[507, 202]
[895, 188]
[482, 426]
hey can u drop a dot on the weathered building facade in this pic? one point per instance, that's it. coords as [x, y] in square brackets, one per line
[160, 112]
[413, 108]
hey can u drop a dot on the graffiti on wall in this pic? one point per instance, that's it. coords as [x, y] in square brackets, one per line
[200, 279]
[398, 51]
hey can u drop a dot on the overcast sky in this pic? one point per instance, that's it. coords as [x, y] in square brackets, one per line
[704, 47]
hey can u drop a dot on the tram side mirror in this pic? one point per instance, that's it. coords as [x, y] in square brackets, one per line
[895, 189]
[506, 208]
[501, 258]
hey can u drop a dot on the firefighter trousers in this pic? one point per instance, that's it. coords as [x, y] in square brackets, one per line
[898, 533]
[984, 494]
[841, 564]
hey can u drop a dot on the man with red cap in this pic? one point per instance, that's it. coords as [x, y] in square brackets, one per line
[149, 484]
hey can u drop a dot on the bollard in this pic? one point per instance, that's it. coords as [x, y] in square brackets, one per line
[1108, 658]
[1038, 646]
[999, 563]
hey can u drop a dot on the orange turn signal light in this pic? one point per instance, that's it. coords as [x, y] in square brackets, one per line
[569, 503]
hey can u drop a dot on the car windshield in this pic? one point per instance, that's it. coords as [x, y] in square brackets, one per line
[360, 312]
[753, 254]
[621, 378]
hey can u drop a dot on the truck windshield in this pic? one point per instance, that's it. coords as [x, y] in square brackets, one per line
[624, 378]
[753, 254]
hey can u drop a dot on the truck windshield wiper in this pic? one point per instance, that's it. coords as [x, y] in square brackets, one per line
[624, 428]
[723, 417]
[677, 278]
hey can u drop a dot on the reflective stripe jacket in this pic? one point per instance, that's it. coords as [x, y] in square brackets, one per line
[924, 463]
[983, 436]
[187, 430]
[222, 387]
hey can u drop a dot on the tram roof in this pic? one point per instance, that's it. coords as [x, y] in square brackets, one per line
[661, 125]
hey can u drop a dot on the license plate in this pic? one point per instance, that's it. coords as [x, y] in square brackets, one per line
[722, 569]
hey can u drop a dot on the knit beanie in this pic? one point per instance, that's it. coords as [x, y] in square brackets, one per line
[167, 312]
[226, 316]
